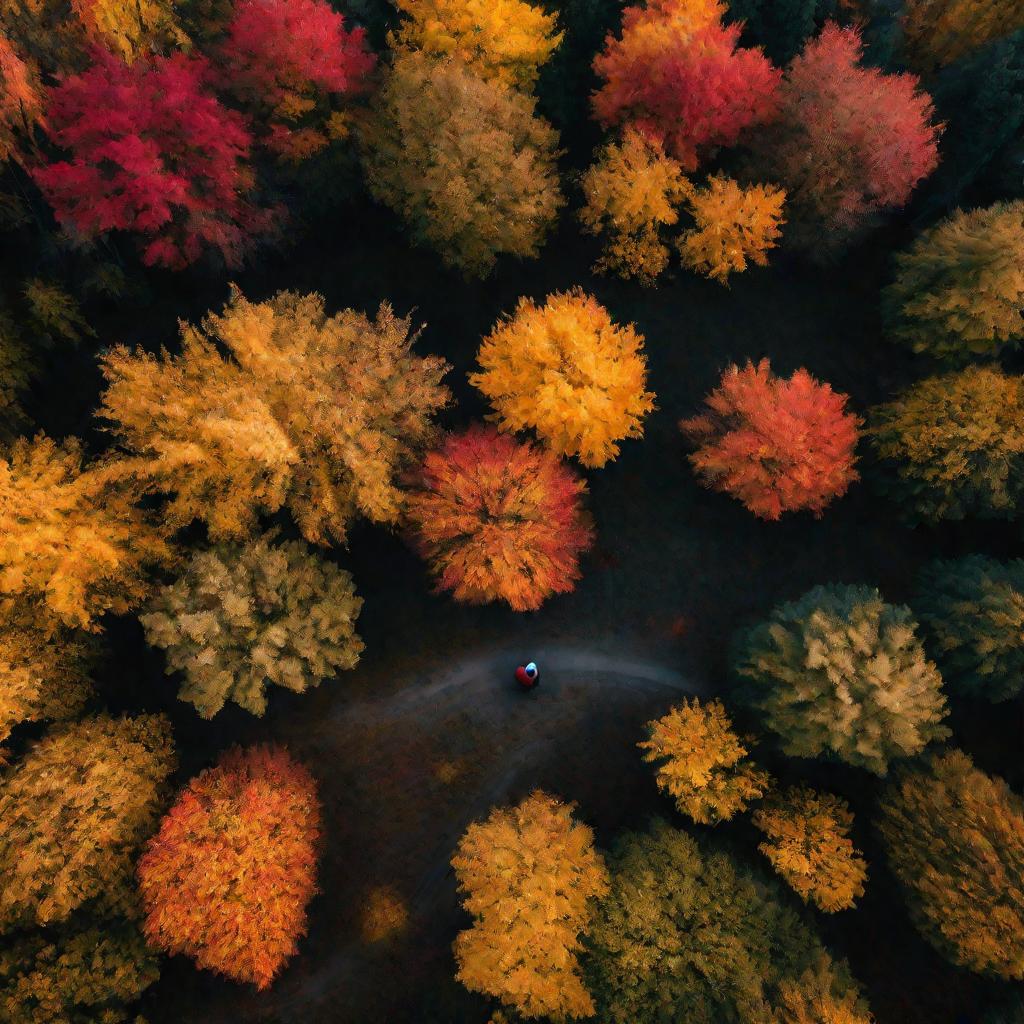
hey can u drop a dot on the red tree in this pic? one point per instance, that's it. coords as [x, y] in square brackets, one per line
[778, 445]
[498, 519]
[677, 75]
[155, 153]
[227, 878]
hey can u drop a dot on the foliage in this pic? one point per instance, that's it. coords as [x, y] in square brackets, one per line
[384, 915]
[821, 995]
[972, 611]
[497, 519]
[952, 446]
[133, 30]
[503, 41]
[285, 59]
[53, 313]
[154, 153]
[45, 34]
[227, 878]
[70, 535]
[243, 617]
[677, 74]
[777, 445]
[566, 370]
[701, 763]
[959, 288]
[529, 875]
[307, 411]
[840, 672]
[808, 843]
[464, 161]
[632, 190]
[21, 102]
[74, 813]
[734, 226]
[780, 26]
[939, 31]
[955, 840]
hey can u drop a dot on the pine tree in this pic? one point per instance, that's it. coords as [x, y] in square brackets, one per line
[940, 31]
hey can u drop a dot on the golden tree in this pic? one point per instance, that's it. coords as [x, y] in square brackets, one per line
[529, 875]
[21, 101]
[131, 30]
[633, 191]
[940, 31]
[569, 372]
[808, 843]
[307, 411]
[821, 995]
[702, 763]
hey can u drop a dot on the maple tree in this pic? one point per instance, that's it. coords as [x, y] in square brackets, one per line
[733, 227]
[131, 31]
[466, 162]
[74, 813]
[227, 878]
[529, 875]
[823, 994]
[677, 74]
[567, 371]
[70, 534]
[807, 840]
[938, 32]
[21, 102]
[778, 445]
[840, 672]
[702, 763]
[276, 404]
[955, 840]
[498, 519]
[152, 152]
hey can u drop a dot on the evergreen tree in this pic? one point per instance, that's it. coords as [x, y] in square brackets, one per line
[939, 31]
[780, 26]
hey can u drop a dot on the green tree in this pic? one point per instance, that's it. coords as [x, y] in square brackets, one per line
[780, 26]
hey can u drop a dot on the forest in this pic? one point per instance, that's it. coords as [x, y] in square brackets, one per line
[510, 511]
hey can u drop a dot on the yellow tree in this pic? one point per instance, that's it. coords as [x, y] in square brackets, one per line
[808, 843]
[307, 411]
[131, 30]
[567, 371]
[940, 31]
[702, 763]
[733, 227]
[529, 875]
[821, 995]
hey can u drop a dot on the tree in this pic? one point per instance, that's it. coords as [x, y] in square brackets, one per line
[74, 813]
[21, 102]
[497, 519]
[953, 446]
[841, 673]
[701, 763]
[939, 31]
[307, 411]
[286, 60]
[821, 995]
[529, 875]
[780, 26]
[777, 445]
[245, 616]
[504, 41]
[227, 878]
[170, 167]
[734, 226]
[464, 161]
[71, 536]
[632, 191]
[807, 840]
[959, 288]
[687, 934]
[130, 31]
[955, 840]
[566, 370]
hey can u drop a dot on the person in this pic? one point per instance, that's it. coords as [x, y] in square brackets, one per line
[528, 676]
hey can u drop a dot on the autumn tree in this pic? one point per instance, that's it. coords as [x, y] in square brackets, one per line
[778, 445]
[70, 534]
[293, 63]
[131, 30]
[503, 41]
[227, 878]
[170, 167]
[959, 288]
[466, 162]
[955, 840]
[245, 616]
[939, 31]
[821, 995]
[567, 371]
[529, 875]
[276, 404]
[21, 102]
[676, 73]
[807, 841]
[841, 673]
[632, 191]
[953, 446]
[702, 763]
[74, 813]
[497, 519]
